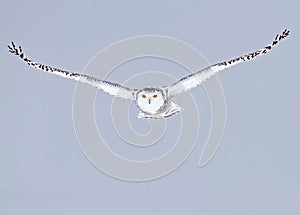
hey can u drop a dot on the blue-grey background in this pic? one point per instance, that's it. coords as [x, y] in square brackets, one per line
[255, 171]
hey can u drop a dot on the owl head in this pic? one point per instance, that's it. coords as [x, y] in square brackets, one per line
[150, 100]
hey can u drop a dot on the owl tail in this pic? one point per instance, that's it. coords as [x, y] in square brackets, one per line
[169, 111]
[173, 109]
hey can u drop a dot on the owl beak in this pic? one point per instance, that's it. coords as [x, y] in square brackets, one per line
[149, 101]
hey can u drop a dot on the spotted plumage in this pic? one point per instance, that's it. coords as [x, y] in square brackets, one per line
[153, 102]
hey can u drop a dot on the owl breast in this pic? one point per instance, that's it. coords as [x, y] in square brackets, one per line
[150, 100]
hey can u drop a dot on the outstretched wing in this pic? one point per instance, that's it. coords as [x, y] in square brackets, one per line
[191, 81]
[108, 87]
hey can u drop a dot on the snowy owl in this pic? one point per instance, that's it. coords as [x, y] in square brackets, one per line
[153, 102]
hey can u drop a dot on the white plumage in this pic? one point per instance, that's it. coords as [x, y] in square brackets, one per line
[153, 102]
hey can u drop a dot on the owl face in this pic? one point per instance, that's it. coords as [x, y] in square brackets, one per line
[150, 100]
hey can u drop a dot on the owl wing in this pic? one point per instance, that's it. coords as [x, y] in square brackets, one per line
[187, 83]
[108, 87]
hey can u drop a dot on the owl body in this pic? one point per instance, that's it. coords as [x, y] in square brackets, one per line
[155, 103]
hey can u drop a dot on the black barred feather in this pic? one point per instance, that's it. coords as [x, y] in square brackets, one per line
[108, 87]
[187, 83]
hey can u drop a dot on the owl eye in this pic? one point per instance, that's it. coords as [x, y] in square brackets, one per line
[144, 96]
[155, 95]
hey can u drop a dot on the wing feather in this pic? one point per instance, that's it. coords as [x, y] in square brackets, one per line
[187, 83]
[113, 89]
